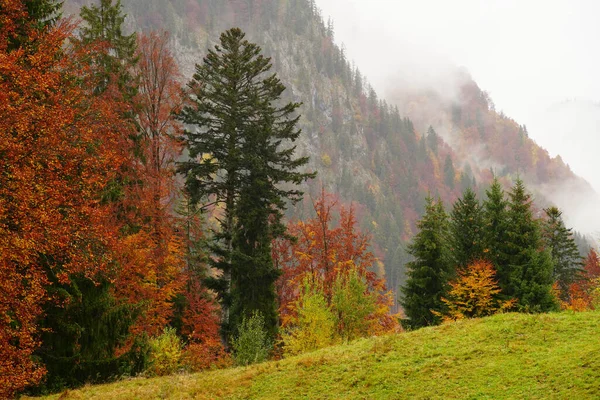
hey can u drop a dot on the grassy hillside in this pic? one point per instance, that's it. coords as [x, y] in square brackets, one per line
[506, 356]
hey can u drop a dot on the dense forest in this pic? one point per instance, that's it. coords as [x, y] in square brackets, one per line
[179, 194]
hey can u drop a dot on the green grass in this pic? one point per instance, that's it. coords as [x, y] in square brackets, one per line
[511, 356]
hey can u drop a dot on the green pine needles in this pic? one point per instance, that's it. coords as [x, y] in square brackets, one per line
[241, 153]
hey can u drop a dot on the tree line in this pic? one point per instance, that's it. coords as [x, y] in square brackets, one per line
[492, 256]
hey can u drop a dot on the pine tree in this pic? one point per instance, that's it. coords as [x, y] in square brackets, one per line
[449, 172]
[104, 27]
[237, 160]
[528, 267]
[566, 259]
[432, 140]
[466, 229]
[494, 232]
[429, 273]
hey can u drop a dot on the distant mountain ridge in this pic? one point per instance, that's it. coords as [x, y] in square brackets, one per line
[375, 154]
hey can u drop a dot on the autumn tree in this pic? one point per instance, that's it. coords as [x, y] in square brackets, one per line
[467, 229]
[584, 293]
[324, 254]
[240, 153]
[60, 148]
[474, 293]
[428, 274]
[559, 240]
[353, 306]
[313, 325]
[35, 15]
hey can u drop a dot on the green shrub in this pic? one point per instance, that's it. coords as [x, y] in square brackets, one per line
[352, 304]
[251, 345]
[166, 352]
[314, 325]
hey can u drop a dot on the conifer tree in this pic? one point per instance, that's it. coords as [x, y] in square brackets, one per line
[466, 229]
[566, 260]
[429, 273]
[494, 232]
[103, 26]
[528, 267]
[432, 140]
[239, 154]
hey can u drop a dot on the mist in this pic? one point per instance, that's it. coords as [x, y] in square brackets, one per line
[536, 60]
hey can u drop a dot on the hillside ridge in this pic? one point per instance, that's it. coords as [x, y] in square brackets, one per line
[503, 356]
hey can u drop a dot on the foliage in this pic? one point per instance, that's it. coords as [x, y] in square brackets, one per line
[353, 306]
[473, 293]
[252, 343]
[53, 134]
[314, 325]
[209, 354]
[429, 273]
[166, 353]
[584, 294]
[325, 253]
[241, 137]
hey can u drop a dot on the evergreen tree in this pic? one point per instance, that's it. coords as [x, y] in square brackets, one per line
[528, 267]
[449, 172]
[104, 27]
[494, 232]
[432, 140]
[429, 273]
[466, 229]
[237, 160]
[81, 332]
[567, 261]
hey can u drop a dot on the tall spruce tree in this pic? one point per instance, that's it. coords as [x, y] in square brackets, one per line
[466, 229]
[528, 266]
[495, 220]
[429, 273]
[240, 152]
[566, 259]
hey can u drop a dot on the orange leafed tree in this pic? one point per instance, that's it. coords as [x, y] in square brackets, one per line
[581, 293]
[59, 148]
[152, 256]
[473, 293]
[323, 252]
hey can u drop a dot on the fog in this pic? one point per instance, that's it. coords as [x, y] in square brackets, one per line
[538, 60]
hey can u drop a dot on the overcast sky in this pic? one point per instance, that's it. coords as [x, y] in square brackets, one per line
[539, 60]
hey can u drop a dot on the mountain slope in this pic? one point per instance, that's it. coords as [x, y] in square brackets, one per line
[366, 150]
[504, 356]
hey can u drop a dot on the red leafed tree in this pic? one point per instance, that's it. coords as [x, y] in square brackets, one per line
[581, 292]
[59, 148]
[323, 252]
